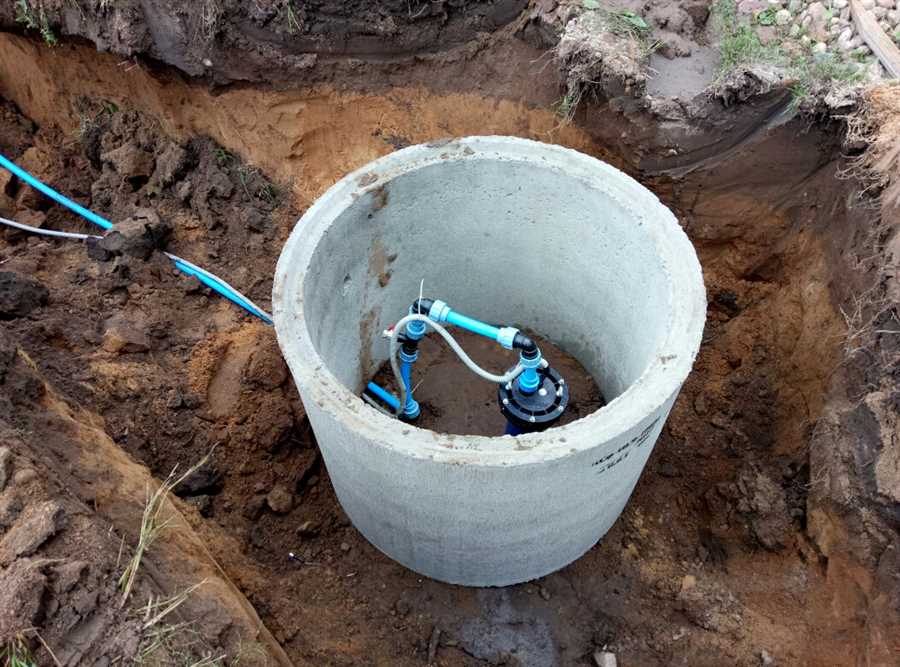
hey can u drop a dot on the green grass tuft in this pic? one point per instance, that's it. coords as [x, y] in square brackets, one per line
[35, 19]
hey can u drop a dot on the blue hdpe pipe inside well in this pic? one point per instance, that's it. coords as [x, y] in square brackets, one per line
[473, 325]
[411, 409]
[385, 396]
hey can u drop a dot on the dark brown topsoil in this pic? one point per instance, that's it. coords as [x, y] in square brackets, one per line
[455, 400]
[233, 40]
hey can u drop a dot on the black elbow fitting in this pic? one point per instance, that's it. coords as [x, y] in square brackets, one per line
[422, 306]
[529, 347]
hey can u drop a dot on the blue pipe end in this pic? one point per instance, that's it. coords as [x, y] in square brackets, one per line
[388, 398]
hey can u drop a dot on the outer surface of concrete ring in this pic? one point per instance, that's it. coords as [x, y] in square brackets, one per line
[512, 231]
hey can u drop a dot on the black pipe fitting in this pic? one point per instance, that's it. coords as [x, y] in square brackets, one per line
[422, 306]
[529, 347]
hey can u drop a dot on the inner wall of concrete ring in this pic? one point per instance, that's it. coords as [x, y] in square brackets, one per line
[510, 231]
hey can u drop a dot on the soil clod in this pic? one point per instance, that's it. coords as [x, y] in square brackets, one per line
[20, 295]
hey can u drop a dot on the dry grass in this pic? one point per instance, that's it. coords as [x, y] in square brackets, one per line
[16, 652]
[157, 609]
[152, 525]
[877, 124]
[862, 319]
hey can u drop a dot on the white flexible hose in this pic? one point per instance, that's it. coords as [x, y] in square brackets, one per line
[48, 232]
[174, 258]
[509, 376]
[199, 269]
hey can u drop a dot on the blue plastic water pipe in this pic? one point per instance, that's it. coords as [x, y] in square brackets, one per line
[208, 279]
[211, 282]
[53, 194]
[385, 396]
[528, 379]
[409, 354]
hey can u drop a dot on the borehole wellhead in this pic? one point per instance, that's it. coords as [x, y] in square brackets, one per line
[532, 398]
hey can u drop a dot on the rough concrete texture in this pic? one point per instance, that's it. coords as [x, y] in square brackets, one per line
[511, 231]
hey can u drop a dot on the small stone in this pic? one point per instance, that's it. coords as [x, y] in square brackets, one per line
[308, 529]
[170, 164]
[280, 500]
[751, 7]
[96, 251]
[202, 503]
[766, 659]
[605, 659]
[843, 41]
[130, 162]
[205, 480]
[124, 337]
[137, 236]
[402, 607]
[5, 466]
[818, 23]
[885, 4]
[766, 34]
[175, 400]
[24, 476]
[819, 48]
[253, 509]
[868, 4]
[183, 191]
[345, 547]
[544, 593]
[32, 218]
[794, 31]
[35, 526]
[875, 72]
[879, 12]
[782, 17]
[839, 4]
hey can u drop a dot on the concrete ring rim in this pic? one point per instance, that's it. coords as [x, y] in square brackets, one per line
[658, 383]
